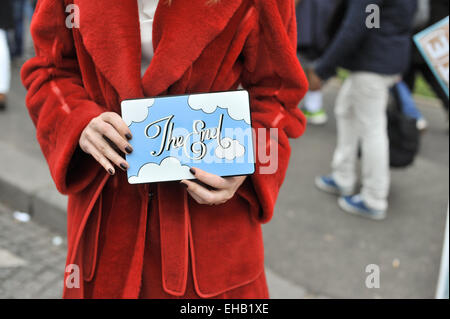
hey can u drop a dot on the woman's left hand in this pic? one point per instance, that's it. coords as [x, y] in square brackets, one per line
[215, 190]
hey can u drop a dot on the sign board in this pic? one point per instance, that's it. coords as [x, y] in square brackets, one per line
[434, 46]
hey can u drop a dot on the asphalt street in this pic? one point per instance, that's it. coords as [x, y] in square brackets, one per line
[313, 243]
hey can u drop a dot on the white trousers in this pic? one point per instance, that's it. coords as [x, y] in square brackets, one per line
[5, 63]
[361, 117]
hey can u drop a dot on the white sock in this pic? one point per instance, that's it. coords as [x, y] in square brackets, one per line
[313, 101]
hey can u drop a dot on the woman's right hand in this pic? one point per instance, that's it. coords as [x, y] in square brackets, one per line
[105, 137]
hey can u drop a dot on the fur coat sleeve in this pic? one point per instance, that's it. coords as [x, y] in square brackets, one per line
[57, 101]
[276, 83]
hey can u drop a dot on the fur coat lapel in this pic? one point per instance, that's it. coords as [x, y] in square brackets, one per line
[111, 35]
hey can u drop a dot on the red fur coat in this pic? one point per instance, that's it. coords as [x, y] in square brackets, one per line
[79, 73]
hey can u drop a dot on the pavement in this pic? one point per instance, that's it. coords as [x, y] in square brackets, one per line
[313, 250]
[31, 266]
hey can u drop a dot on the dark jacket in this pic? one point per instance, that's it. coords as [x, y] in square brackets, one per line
[313, 17]
[6, 15]
[383, 50]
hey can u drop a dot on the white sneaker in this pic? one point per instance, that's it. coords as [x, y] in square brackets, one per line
[316, 118]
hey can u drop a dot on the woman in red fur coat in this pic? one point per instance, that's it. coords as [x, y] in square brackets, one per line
[161, 240]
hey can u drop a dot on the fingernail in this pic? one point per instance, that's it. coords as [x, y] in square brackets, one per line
[192, 171]
[128, 136]
[110, 171]
[128, 149]
[123, 166]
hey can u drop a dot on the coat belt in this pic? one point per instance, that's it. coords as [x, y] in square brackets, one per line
[173, 220]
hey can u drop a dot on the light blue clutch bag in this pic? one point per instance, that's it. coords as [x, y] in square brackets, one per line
[210, 131]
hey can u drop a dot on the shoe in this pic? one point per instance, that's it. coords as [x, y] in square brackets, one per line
[316, 118]
[422, 124]
[356, 206]
[329, 185]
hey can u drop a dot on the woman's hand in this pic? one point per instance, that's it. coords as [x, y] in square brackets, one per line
[104, 138]
[212, 189]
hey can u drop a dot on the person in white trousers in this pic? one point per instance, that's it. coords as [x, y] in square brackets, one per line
[5, 68]
[376, 52]
[361, 118]
[6, 22]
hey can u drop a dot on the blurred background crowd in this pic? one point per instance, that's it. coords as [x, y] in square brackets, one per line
[374, 106]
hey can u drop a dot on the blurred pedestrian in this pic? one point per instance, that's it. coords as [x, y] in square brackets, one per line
[373, 42]
[313, 17]
[402, 91]
[22, 9]
[404, 97]
[6, 23]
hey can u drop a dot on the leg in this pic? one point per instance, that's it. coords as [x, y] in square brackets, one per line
[344, 159]
[5, 71]
[312, 104]
[371, 93]
[313, 101]
[406, 101]
[18, 7]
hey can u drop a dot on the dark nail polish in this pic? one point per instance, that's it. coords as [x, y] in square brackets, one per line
[128, 149]
[128, 136]
[123, 166]
[192, 171]
[110, 171]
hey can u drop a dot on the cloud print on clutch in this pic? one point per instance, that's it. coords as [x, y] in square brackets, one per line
[169, 169]
[235, 104]
[234, 149]
[137, 110]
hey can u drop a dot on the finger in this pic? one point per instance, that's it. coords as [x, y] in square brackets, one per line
[114, 146]
[107, 151]
[118, 123]
[203, 195]
[196, 198]
[232, 180]
[100, 158]
[208, 187]
[113, 136]
[203, 202]
[210, 179]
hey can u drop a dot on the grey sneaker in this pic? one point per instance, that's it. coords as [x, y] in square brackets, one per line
[356, 206]
[329, 185]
